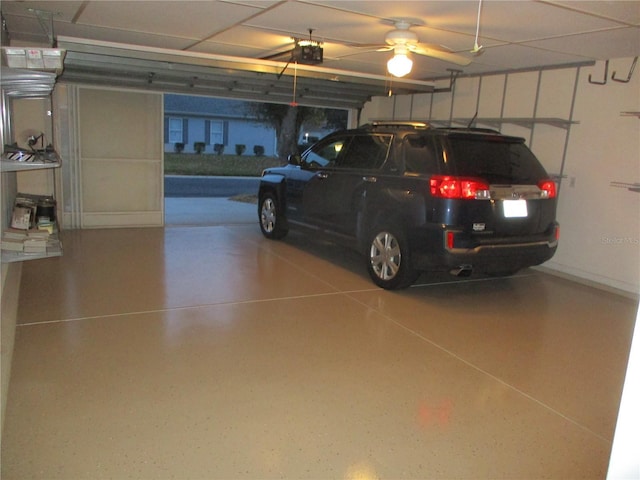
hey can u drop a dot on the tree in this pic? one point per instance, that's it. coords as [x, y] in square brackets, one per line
[287, 120]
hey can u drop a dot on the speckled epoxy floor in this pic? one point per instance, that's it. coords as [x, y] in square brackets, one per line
[211, 352]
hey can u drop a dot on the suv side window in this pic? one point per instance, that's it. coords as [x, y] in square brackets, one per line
[419, 154]
[326, 154]
[366, 152]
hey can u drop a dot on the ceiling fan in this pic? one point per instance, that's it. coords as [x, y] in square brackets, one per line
[403, 41]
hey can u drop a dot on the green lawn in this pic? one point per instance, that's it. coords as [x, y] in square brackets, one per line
[211, 164]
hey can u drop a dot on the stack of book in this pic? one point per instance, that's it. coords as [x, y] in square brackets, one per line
[32, 231]
[26, 241]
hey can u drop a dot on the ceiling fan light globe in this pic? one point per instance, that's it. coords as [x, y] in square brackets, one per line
[400, 65]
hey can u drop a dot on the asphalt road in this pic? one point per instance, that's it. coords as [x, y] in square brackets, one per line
[192, 186]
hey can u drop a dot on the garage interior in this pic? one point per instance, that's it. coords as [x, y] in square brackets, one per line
[147, 351]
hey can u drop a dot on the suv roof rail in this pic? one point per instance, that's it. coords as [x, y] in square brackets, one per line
[473, 129]
[398, 123]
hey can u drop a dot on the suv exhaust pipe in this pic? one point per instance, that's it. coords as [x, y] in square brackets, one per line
[462, 271]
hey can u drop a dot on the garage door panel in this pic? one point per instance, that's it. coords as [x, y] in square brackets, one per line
[120, 186]
[121, 158]
[120, 124]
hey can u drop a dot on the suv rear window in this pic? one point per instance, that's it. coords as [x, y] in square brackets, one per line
[497, 160]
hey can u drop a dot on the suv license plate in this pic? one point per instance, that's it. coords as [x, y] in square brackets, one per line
[514, 208]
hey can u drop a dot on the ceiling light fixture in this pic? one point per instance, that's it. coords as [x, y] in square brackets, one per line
[400, 65]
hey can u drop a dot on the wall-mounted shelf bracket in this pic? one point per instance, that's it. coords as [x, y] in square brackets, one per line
[557, 177]
[632, 187]
[526, 122]
[606, 74]
[626, 80]
[453, 76]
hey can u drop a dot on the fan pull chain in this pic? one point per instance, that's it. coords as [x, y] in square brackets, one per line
[477, 48]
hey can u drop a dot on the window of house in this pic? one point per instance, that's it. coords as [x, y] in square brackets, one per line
[175, 130]
[216, 131]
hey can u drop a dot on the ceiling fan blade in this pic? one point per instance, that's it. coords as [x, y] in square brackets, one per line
[442, 55]
[361, 52]
[364, 45]
[433, 46]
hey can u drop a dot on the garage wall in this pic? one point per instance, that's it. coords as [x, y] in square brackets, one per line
[601, 232]
[600, 223]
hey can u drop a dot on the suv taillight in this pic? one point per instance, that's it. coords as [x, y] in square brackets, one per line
[548, 188]
[446, 186]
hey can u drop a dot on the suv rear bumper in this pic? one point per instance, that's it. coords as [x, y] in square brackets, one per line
[454, 249]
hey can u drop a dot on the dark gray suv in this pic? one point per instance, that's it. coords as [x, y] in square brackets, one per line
[414, 199]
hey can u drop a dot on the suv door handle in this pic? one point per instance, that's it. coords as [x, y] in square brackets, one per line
[322, 175]
[370, 179]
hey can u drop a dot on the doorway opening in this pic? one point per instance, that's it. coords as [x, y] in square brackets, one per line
[215, 150]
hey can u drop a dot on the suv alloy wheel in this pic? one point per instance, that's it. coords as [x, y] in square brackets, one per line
[271, 222]
[389, 263]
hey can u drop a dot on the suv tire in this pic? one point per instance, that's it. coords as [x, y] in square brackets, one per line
[272, 221]
[389, 258]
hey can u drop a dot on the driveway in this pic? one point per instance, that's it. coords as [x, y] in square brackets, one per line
[197, 200]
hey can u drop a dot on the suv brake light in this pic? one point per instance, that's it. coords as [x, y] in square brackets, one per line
[548, 188]
[446, 186]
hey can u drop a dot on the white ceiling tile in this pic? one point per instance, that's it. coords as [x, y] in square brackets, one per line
[617, 43]
[253, 39]
[451, 15]
[522, 21]
[188, 19]
[61, 11]
[622, 11]
[295, 19]
[520, 56]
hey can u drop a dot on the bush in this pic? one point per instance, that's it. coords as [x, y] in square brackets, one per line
[258, 150]
[218, 148]
[199, 147]
[178, 147]
[240, 148]
[211, 164]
